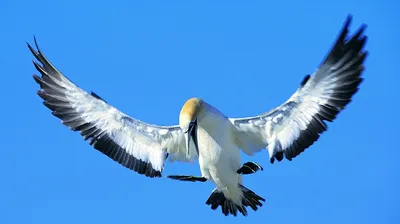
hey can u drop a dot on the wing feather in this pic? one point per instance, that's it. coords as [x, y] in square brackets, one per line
[133, 143]
[295, 125]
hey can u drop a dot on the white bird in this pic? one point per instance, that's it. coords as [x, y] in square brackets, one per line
[206, 134]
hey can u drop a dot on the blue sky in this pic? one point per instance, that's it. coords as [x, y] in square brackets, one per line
[146, 58]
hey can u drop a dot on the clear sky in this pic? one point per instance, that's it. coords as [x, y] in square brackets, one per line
[146, 58]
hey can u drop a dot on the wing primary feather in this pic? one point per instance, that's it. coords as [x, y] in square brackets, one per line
[97, 96]
[289, 129]
[105, 128]
[348, 79]
[306, 78]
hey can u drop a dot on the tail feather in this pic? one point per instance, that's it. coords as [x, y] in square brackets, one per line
[251, 199]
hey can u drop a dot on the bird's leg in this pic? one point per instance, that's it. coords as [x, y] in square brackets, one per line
[187, 178]
[249, 168]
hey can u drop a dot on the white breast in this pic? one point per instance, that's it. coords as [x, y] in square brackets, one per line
[219, 157]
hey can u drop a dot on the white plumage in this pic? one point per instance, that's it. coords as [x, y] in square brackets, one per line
[205, 133]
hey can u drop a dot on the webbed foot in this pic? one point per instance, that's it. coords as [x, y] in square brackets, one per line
[187, 178]
[249, 168]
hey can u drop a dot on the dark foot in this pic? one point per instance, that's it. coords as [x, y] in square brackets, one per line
[249, 168]
[187, 178]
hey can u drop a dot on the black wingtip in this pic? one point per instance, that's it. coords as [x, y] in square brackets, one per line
[97, 96]
[348, 20]
[347, 23]
[361, 31]
[305, 79]
[345, 28]
[32, 50]
[37, 79]
[37, 53]
[35, 41]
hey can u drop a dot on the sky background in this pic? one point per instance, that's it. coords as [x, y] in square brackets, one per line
[147, 58]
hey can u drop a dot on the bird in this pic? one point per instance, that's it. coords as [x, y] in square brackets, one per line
[204, 133]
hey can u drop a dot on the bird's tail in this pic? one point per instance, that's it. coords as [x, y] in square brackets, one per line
[249, 198]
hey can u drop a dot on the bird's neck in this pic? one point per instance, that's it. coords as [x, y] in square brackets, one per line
[212, 120]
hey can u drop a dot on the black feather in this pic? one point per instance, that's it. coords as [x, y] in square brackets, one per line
[53, 92]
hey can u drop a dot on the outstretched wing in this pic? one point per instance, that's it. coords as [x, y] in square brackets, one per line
[132, 143]
[295, 125]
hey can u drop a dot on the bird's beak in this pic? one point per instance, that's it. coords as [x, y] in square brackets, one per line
[192, 134]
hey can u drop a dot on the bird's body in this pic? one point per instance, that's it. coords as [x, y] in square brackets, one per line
[205, 133]
[219, 156]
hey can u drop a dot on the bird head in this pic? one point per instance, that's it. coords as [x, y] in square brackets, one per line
[188, 118]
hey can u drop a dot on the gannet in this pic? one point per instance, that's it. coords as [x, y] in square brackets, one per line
[204, 133]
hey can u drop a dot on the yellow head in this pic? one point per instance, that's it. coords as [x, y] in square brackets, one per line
[188, 119]
[189, 112]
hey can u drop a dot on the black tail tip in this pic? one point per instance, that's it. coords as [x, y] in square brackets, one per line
[250, 199]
